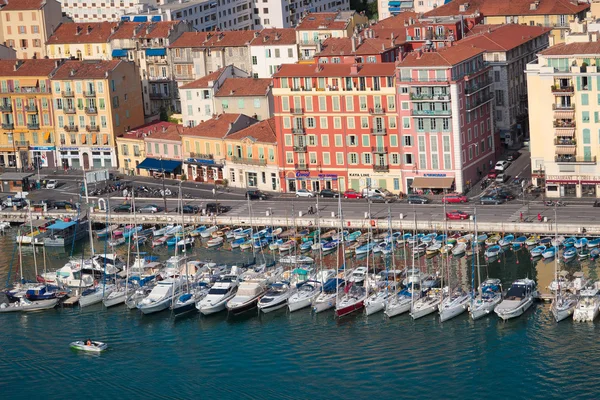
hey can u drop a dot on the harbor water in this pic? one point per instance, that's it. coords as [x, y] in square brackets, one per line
[299, 355]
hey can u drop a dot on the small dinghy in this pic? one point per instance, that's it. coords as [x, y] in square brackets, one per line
[89, 346]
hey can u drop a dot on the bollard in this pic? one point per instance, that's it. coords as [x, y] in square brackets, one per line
[267, 213]
[401, 216]
[545, 219]
[366, 214]
[300, 213]
[333, 214]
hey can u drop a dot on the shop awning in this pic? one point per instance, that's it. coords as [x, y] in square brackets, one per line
[427, 182]
[119, 53]
[564, 150]
[565, 132]
[125, 18]
[28, 82]
[60, 225]
[203, 162]
[140, 18]
[156, 52]
[159, 165]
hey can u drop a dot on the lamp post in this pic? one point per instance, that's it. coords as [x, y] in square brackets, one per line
[163, 183]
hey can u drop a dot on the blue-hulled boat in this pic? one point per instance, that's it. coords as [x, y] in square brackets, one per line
[42, 292]
[172, 241]
[482, 238]
[260, 243]
[519, 242]
[237, 242]
[593, 243]
[244, 233]
[594, 253]
[440, 239]
[128, 232]
[569, 254]
[506, 240]
[493, 251]
[262, 233]
[197, 231]
[365, 248]
[537, 251]
[570, 242]
[547, 241]
[415, 239]
[273, 246]
[550, 252]
[306, 246]
[427, 239]
[581, 243]
[402, 239]
[353, 236]
[330, 246]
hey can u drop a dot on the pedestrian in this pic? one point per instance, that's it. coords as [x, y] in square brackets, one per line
[539, 217]
[521, 216]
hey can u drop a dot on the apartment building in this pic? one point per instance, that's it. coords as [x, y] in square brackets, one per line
[131, 151]
[564, 119]
[271, 48]
[162, 141]
[315, 28]
[26, 25]
[251, 157]
[508, 50]
[446, 109]
[82, 41]
[286, 14]
[108, 10]
[337, 126]
[250, 96]
[554, 14]
[27, 134]
[94, 101]
[390, 8]
[198, 97]
[359, 48]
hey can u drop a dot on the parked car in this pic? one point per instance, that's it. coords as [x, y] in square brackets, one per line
[352, 194]
[513, 156]
[150, 208]
[377, 198]
[417, 199]
[14, 202]
[505, 195]
[216, 208]
[256, 195]
[63, 205]
[122, 208]
[501, 178]
[501, 165]
[454, 198]
[492, 200]
[188, 209]
[374, 191]
[329, 193]
[492, 174]
[52, 184]
[304, 193]
[456, 214]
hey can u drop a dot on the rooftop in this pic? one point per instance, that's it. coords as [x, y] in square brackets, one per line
[144, 30]
[17, 5]
[508, 8]
[573, 49]
[214, 39]
[263, 132]
[159, 130]
[31, 67]
[217, 127]
[204, 81]
[335, 70]
[273, 37]
[87, 32]
[441, 58]
[363, 46]
[323, 20]
[244, 87]
[503, 37]
[88, 69]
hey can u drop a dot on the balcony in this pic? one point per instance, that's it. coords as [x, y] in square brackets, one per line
[91, 111]
[69, 93]
[69, 110]
[564, 111]
[298, 131]
[249, 161]
[21, 143]
[568, 159]
[478, 102]
[158, 78]
[301, 167]
[31, 109]
[430, 97]
[377, 111]
[297, 111]
[6, 108]
[300, 149]
[158, 96]
[89, 93]
[8, 125]
[564, 124]
[379, 150]
[201, 155]
[472, 88]
[559, 90]
[378, 131]
[71, 128]
[565, 142]
[92, 128]
[430, 113]
[381, 167]
[33, 125]
[563, 107]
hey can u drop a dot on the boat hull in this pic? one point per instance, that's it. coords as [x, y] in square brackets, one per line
[323, 304]
[214, 308]
[516, 312]
[94, 298]
[420, 312]
[483, 309]
[272, 306]
[398, 307]
[349, 309]
[448, 313]
[115, 298]
[373, 307]
[243, 308]
[588, 314]
[563, 313]
[184, 308]
[295, 305]
[158, 306]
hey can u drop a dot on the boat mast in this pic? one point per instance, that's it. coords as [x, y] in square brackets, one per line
[557, 291]
[20, 258]
[447, 256]
[32, 241]
[392, 240]
[476, 257]
[184, 250]
[89, 217]
[340, 233]
[412, 271]
[369, 250]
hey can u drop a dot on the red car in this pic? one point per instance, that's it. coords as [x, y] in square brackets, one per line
[492, 174]
[457, 215]
[454, 198]
[352, 194]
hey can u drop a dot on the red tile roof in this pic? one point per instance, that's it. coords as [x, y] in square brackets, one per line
[148, 128]
[216, 128]
[244, 87]
[263, 132]
[274, 37]
[444, 57]
[203, 82]
[171, 132]
[214, 39]
[144, 30]
[508, 8]
[16, 5]
[364, 46]
[334, 70]
[88, 69]
[31, 67]
[397, 21]
[504, 37]
[322, 20]
[89, 32]
[572, 49]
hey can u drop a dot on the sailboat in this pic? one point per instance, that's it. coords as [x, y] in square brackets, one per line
[377, 301]
[430, 302]
[564, 303]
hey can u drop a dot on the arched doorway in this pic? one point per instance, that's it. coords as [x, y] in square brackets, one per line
[86, 161]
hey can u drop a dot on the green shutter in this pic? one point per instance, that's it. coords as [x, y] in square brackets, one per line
[578, 83]
[584, 99]
[596, 116]
[598, 86]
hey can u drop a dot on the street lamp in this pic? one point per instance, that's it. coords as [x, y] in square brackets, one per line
[163, 183]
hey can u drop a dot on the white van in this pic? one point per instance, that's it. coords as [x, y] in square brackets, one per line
[372, 191]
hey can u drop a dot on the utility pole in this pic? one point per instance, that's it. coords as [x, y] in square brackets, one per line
[163, 183]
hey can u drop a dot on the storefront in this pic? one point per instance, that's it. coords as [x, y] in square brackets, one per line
[167, 167]
[203, 170]
[434, 183]
[43, 156]
[562, 187]
[86, 157]
[313, 181]
[361, 180]
[15, 181]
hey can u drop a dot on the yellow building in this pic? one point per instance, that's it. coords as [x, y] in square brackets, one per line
[564, 117]
[83, 41]
[26, 25]
[555, 14]
[130, 152]
[94, 101]
[27, 134]
[251, 157]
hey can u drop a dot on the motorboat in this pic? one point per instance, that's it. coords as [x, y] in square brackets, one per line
[447, 248]
[594, 253]
[441, 239]
[480, 239]
[208, 231]
[130, 230]
[532, 240]
[537, 251]
[580, 243]
[506, 240]
[107, 231]
[330, 246]
[427, 304]
[287, 246]
[550, 252]
[274, 245]
[306, 246]
[351, 299]
[276, 297]
[413, 276]
[26, 305]
[561, 282]
[43, 291]
[294, 260]
[117, 241]
[518, 299]
[162, 231]
[238, 242]
[519, 242]
[493, 251]
[563, 306]
[403, 238]
[419, 249]
[460, 249]
[485, 304]
[365, 248]
[353, 237]
[219, 294]
[434, 248]
[247, 244]
[401, 302]
[94, 295]
[569, 254]
[117, 296]
[187, 242]
[90, 346]
[429, 238]
[570, 242]
[588, 306]
[249, 293]
[218, 241]
[454, 304]
[579, 281]
[593, 243]
[162, 295]
[583, 254]
[358, 275]
[492, 240]
[186, 302]
[304, 296]
[240, 233]
[326, 299]
[159, 241]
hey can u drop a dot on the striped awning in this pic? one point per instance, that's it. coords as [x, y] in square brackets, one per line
[565, 150]
[564, 114]
[565, 132]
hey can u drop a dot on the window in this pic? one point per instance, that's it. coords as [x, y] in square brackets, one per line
[394, 140]
[325, 140]
[339, 158]
[322, 103]
[254, 60]
[407, 140]
[337, 123]
[240, 103]
[312, 140]
[470, 153]
[323, 122]
[585, 116]
[338, 141]
[256, 103]
[499, 98]
[367, 158]
[406, 122]
[336, 103]
[326, 159]
[350, 103]
[350, 122]
[365, 141]
[584, 99]
[310, 122]
[408, 159]
[288, 140]
[352, 158]
[496, 76]
[395, 158]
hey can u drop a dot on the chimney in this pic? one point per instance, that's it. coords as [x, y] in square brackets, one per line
[353, 40]
[72, 72]
[231, 92]
[89, 29]
[18, 64]
[256, 34]
[392, 39]
[113, 29]
[77, 30]
[419, 54]
[277, 36]
[164, 129]
[230, 127]
[360, 40]
[354, 69]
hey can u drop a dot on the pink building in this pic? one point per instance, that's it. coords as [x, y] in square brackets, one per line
[445, 109]
[162, 143]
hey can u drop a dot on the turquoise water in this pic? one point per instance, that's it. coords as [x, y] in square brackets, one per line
[299, 355]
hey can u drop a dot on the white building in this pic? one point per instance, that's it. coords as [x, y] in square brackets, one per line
[197, 97]
[389, 8]
[107, 10]
[271, 48]
[287, 13]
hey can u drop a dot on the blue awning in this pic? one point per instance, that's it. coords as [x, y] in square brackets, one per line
[61, 225]
[140, 18]
[156, 18]
[156, 52]
[119, 53]
[125, 18]
[160, 165]
[394, 3]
